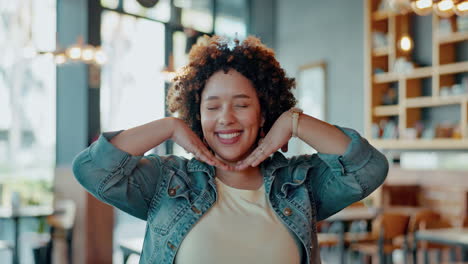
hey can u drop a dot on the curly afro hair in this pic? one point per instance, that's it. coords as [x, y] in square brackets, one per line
[251, 58]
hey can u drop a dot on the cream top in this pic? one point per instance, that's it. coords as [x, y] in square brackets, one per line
[241, 227]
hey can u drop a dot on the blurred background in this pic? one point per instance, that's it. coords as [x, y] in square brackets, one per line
[394, 70]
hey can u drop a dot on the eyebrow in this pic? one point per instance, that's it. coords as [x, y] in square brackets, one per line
[214, 97]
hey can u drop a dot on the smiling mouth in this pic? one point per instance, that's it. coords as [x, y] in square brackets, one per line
[228, 138]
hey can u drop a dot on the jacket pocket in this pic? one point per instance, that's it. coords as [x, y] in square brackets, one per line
[173, 204]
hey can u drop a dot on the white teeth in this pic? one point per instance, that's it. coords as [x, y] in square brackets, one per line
[228, 136]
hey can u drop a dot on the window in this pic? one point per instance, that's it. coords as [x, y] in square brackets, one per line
[132, 86]
[27, 100]
[231, 18]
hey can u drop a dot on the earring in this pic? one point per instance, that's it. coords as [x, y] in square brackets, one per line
[262, 135]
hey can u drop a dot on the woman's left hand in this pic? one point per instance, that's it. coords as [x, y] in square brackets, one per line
[277, 138]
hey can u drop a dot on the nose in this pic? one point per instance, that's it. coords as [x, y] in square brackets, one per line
[226, 116]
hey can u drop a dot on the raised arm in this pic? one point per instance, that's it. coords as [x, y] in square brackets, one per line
[346, 169]
[114, 170]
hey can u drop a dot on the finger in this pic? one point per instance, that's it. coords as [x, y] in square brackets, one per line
[261, 156]
[254, 158]
[214, 161]
[208, 157]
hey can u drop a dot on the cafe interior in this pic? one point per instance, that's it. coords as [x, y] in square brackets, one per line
[396, 71]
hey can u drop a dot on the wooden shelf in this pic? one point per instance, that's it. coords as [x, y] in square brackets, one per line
[429, 101]
[423, 72]
[386, 110]
[438, 143]
[452, 68]
[382, 51]
[454, 37]
[414, 86]
[381, 15]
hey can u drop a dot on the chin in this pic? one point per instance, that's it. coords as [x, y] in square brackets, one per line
[231, 157]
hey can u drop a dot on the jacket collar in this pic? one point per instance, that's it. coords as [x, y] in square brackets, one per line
[270, 165]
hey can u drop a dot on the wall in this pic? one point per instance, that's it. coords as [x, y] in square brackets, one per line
[310, 30]
[72, 119]
[263, 20]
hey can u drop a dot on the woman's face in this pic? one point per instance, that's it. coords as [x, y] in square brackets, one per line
[230, 115]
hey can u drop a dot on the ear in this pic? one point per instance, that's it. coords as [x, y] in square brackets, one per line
[262, 122]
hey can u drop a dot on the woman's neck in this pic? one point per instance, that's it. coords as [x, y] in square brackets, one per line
[249, 178]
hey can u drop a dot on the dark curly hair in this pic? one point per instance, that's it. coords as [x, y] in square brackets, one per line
[251, 58]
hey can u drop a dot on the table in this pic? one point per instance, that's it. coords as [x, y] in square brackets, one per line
[348, 215]
[447, 236]
[131, 246]
[16, 215]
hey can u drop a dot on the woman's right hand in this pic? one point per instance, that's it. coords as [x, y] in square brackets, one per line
[187, 139]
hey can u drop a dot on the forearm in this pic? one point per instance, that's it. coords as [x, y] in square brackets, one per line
[323, 137]
[138, 140]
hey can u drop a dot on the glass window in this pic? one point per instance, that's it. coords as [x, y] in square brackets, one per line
[132, 89]
[161, 11]
[180, 55]
[231, 18]
[197, 15]
[132, 85]
[27, 101]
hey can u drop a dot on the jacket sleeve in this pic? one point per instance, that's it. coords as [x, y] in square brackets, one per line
[118, 178]
[337, 181]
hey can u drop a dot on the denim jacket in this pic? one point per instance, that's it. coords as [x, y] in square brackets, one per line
[172, 193]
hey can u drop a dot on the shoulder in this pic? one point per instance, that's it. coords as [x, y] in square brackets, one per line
[278, 160]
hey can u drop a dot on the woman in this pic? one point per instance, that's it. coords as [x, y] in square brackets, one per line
[233, 202]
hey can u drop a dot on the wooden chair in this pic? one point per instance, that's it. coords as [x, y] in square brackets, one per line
[406, 241]
[427, 246]
[327, 239]
[324, 238]
[379, 243]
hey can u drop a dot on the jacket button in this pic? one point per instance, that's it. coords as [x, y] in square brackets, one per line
[169, 244]
[287, 211]
[172, 192]
[194, 209]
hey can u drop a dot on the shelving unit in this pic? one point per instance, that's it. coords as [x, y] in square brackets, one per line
[416, 90]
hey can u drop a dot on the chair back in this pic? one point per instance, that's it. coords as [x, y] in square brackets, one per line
[435, 224]
[422, 216]
[389, 225]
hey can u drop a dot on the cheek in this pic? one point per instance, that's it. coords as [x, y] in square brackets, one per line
[207, 124]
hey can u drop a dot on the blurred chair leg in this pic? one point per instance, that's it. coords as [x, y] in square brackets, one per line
[70, 246]
[439, 255]
[453, 254]
[381, 257]
[405, 253]
[426, 256]
[388, 258]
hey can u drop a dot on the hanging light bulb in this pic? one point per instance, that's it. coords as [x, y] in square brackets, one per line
[60, 59]
[444, 8]
[422, 7]
[87, 53]
[461, 9]
[74, 52]
[100, 57]
[405, 43]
